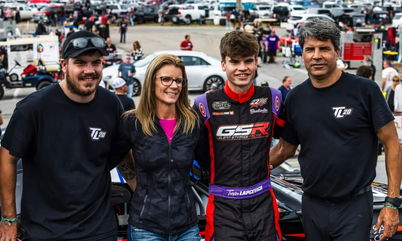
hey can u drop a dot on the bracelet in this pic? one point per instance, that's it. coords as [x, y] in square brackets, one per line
[388, 205]
[9, 221]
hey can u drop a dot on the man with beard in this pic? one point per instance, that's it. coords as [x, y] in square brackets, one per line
[64, 134]
[337, 119]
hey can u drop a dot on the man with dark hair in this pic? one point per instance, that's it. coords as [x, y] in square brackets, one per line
[186, 44]
[365, 71]
[240, 120]
[64, 135]
[337, 119]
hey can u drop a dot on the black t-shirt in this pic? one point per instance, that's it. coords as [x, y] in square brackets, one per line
[110, 49]
[123, 27]
[65, 148]
[336, 127]
[127, 103]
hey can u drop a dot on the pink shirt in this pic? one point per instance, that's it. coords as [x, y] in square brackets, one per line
[168, 127]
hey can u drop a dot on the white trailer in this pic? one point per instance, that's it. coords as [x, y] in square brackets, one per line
[41, 51]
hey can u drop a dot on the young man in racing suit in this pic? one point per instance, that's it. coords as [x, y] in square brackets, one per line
[239, 121]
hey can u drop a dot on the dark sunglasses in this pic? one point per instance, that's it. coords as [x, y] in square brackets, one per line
[80, 43]
[168, 81]
[396, 80]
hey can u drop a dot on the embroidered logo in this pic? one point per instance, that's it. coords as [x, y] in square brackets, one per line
[277, 103]
[255, 103]
[97, 133]
[341, 112]
[202, 109]
[254, 111]
[223, 113]
[221, 105]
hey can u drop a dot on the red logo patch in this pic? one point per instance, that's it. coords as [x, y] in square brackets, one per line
[202, 109]
[277, 103]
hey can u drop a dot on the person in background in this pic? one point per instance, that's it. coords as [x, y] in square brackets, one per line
[186, 44]
[285, 87]
[390, 92]
[369, 62]
[365, 71]
[41, 28]
[397, 95]
[120, 89]
[161, 16]
[228, 20]
[137, 52]
[110, 48]
[387, 73]
[162, 135]
[341, 65]
[127, 71]
[273, 44]
[338, 165]
[123, 30]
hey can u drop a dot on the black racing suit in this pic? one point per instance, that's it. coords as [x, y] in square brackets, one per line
[240, 129]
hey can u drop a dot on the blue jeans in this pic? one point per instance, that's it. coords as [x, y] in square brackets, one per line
[130, 90]
[135, 234]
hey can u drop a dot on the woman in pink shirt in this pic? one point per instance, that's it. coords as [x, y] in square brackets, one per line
[163, 134]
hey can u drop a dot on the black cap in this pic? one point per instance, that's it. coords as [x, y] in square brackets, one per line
[69, 51]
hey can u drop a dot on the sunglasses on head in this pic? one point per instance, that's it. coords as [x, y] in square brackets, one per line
[83, 42]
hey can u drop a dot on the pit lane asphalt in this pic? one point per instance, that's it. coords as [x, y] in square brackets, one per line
[205, 39]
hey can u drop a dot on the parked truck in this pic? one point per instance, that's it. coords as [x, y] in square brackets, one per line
[189, 12]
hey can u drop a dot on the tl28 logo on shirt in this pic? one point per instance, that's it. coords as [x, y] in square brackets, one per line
[341, 112]
[96, 133]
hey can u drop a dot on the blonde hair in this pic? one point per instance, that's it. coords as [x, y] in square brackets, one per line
[145, 113]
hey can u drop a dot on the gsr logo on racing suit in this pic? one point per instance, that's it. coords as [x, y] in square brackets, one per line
[243, 132]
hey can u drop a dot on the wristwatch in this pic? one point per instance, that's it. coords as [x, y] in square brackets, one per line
[394, 201]
[9, 222]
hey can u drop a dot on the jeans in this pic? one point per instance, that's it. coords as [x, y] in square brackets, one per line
[130, 90]
[135, 234]
[122, 37]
